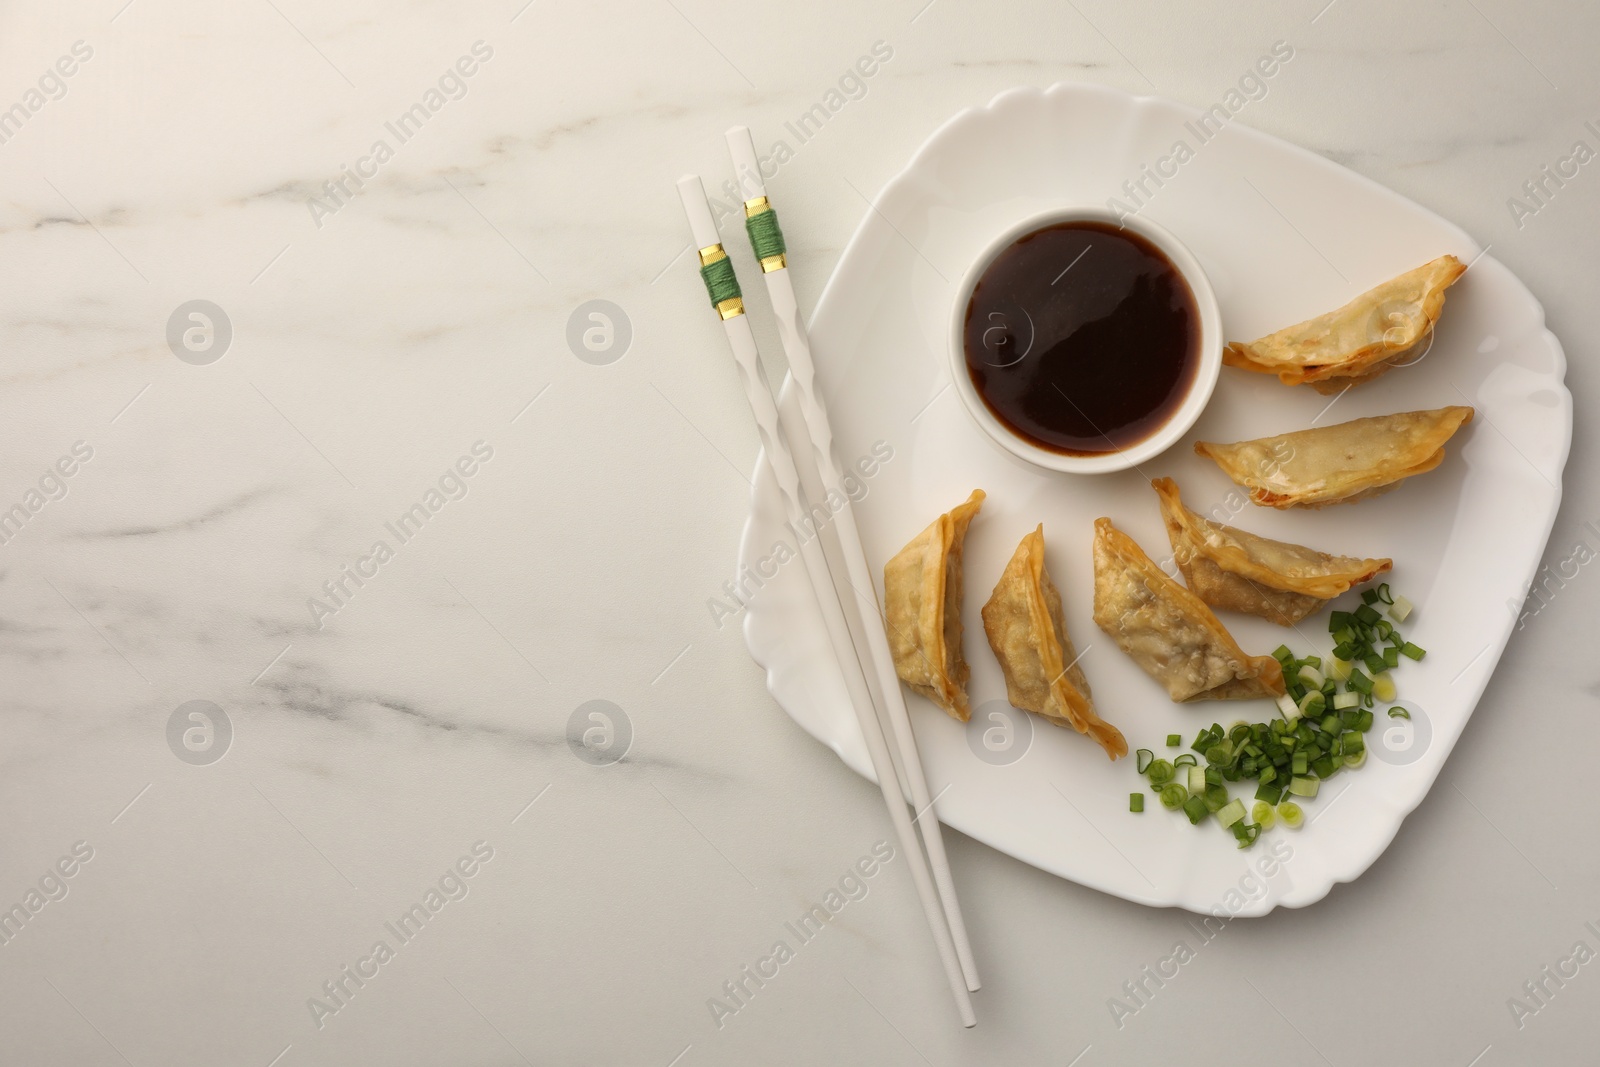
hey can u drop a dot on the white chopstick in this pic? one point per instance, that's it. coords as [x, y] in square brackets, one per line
[759, 394]
[868, 620]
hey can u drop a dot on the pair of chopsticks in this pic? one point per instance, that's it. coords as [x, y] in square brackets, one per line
[845, 590]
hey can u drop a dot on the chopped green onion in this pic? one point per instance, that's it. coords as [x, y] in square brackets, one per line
[1402, 607]
[1324, 713]
[1231, 812]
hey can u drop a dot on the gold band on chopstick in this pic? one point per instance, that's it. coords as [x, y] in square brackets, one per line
[761, 223]
[722, 284]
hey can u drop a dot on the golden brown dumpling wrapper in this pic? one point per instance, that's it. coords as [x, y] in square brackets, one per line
[1377, 330]
[1169, 631]
[922, 602]
[1338, 464]
[1241, 571]
[1028, 633]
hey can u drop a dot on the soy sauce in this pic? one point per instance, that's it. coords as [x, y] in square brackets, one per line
[1082, 338]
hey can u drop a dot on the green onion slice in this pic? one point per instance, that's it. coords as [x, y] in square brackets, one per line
[1231, 812]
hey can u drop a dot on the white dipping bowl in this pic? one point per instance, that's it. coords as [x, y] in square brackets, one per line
[1165, 436]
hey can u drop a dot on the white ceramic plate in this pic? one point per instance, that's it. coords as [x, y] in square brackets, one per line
[1284, 235]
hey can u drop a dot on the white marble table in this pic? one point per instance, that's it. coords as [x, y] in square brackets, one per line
[393, 332]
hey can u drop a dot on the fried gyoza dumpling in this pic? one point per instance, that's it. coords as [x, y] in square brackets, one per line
[1377, 330]
[1169, 631]
[1338, 464]
[922, 601]
[1029, 636]
[1239, 571]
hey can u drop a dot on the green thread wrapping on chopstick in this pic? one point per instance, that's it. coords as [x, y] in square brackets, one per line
[765, 236]
[721, 283]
